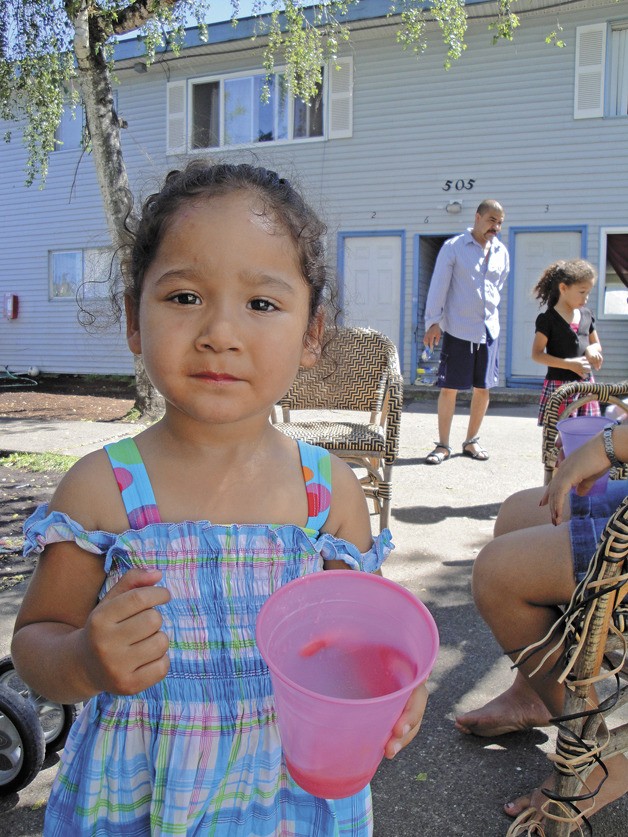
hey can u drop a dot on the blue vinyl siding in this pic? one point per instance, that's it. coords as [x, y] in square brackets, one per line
[501, 117]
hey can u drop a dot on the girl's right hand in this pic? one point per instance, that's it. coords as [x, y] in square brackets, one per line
[580, 365]
[594, 356]
[125, 649]
[409, 722]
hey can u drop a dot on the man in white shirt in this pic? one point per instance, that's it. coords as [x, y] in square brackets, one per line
[462, 308]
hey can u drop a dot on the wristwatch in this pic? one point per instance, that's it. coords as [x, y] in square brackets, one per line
[609, 450]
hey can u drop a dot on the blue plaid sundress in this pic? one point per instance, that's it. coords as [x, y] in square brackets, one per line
[198, 753]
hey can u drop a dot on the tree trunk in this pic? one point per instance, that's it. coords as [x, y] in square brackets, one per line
[148, 401]
[104, 131]
[103, 126]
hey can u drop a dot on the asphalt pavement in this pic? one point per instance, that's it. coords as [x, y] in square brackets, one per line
[445, 783]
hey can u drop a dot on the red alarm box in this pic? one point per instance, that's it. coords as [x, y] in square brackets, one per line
[11, 306]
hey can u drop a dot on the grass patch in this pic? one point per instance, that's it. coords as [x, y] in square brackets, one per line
[133, 415]
[39, 461]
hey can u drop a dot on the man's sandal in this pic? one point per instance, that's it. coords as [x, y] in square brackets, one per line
[436, 456]
[480, 454]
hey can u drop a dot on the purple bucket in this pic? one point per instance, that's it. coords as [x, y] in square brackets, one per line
[577, 430]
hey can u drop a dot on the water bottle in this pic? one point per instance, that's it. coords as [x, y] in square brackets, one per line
[427, 370]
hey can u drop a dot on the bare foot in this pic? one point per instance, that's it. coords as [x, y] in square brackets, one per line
[517, 709]
[615, 786]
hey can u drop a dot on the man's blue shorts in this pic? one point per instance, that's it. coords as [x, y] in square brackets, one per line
[464, 365]
[589, 516]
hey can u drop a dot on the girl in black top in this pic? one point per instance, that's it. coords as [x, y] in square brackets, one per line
[566, 340]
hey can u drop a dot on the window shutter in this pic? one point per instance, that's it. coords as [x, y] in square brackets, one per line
[618, 83]
[590, 59]
[176, 121]
[340, 77]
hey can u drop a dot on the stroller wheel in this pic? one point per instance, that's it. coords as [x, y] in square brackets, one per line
[55, 718]
[22, 747]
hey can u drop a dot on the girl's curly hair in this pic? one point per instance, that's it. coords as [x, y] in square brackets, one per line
[571, 272]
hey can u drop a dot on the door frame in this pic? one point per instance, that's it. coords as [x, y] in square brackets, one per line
[524, 381]
[418, 304]
[340, 267]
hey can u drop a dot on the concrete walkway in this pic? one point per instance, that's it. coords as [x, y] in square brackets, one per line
[72, 438]
[444, 784]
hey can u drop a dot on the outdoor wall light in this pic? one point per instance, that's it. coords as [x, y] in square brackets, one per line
[140, 67]
[454, 207]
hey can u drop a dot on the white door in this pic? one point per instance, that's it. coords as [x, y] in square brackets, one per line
[372, 283]
[534, 251]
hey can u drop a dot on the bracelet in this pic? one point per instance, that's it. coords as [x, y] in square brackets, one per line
[609, 449]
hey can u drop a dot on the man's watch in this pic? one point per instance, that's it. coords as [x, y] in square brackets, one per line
[609, 450]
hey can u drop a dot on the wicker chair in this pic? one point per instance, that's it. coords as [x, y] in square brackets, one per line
[594, 631]
[605, 393]
[359, 373]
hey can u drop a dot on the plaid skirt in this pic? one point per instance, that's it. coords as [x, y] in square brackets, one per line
[591, 408]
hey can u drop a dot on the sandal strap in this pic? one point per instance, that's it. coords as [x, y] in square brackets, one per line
[443, 445]
[473, 441]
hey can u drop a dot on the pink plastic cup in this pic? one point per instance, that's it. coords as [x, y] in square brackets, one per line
[577, 430]
[345, 649]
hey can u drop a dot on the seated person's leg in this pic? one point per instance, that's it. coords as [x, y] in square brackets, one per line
[614, 787]
[517, 709]
[533, 566]
[519, 579]
[522, 511]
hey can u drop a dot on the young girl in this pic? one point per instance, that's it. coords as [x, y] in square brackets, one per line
[566, 340]
[157, 553]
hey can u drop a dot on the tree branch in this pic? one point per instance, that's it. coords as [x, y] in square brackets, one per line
[104, 24]
[135, 15]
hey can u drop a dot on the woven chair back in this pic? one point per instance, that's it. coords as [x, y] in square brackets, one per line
[574, 395]
[353, 374]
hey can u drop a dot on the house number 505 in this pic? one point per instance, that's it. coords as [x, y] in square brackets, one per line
[459, 185]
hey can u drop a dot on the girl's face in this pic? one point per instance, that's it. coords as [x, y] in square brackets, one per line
[576, 295]
[223, 316]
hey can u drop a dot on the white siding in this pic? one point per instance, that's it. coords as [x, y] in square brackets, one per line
[66, 214]
[502, 116]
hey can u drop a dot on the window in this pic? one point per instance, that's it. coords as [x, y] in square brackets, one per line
[618, 88]
[205, 115]
[601, 85]
[69, 133]
[66, 273]
[72, 129]
[308, 119]
[613, 293]
[85, 273]
[230, 111]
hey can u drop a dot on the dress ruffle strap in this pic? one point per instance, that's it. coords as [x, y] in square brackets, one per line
[43, 528]
[334, 549]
